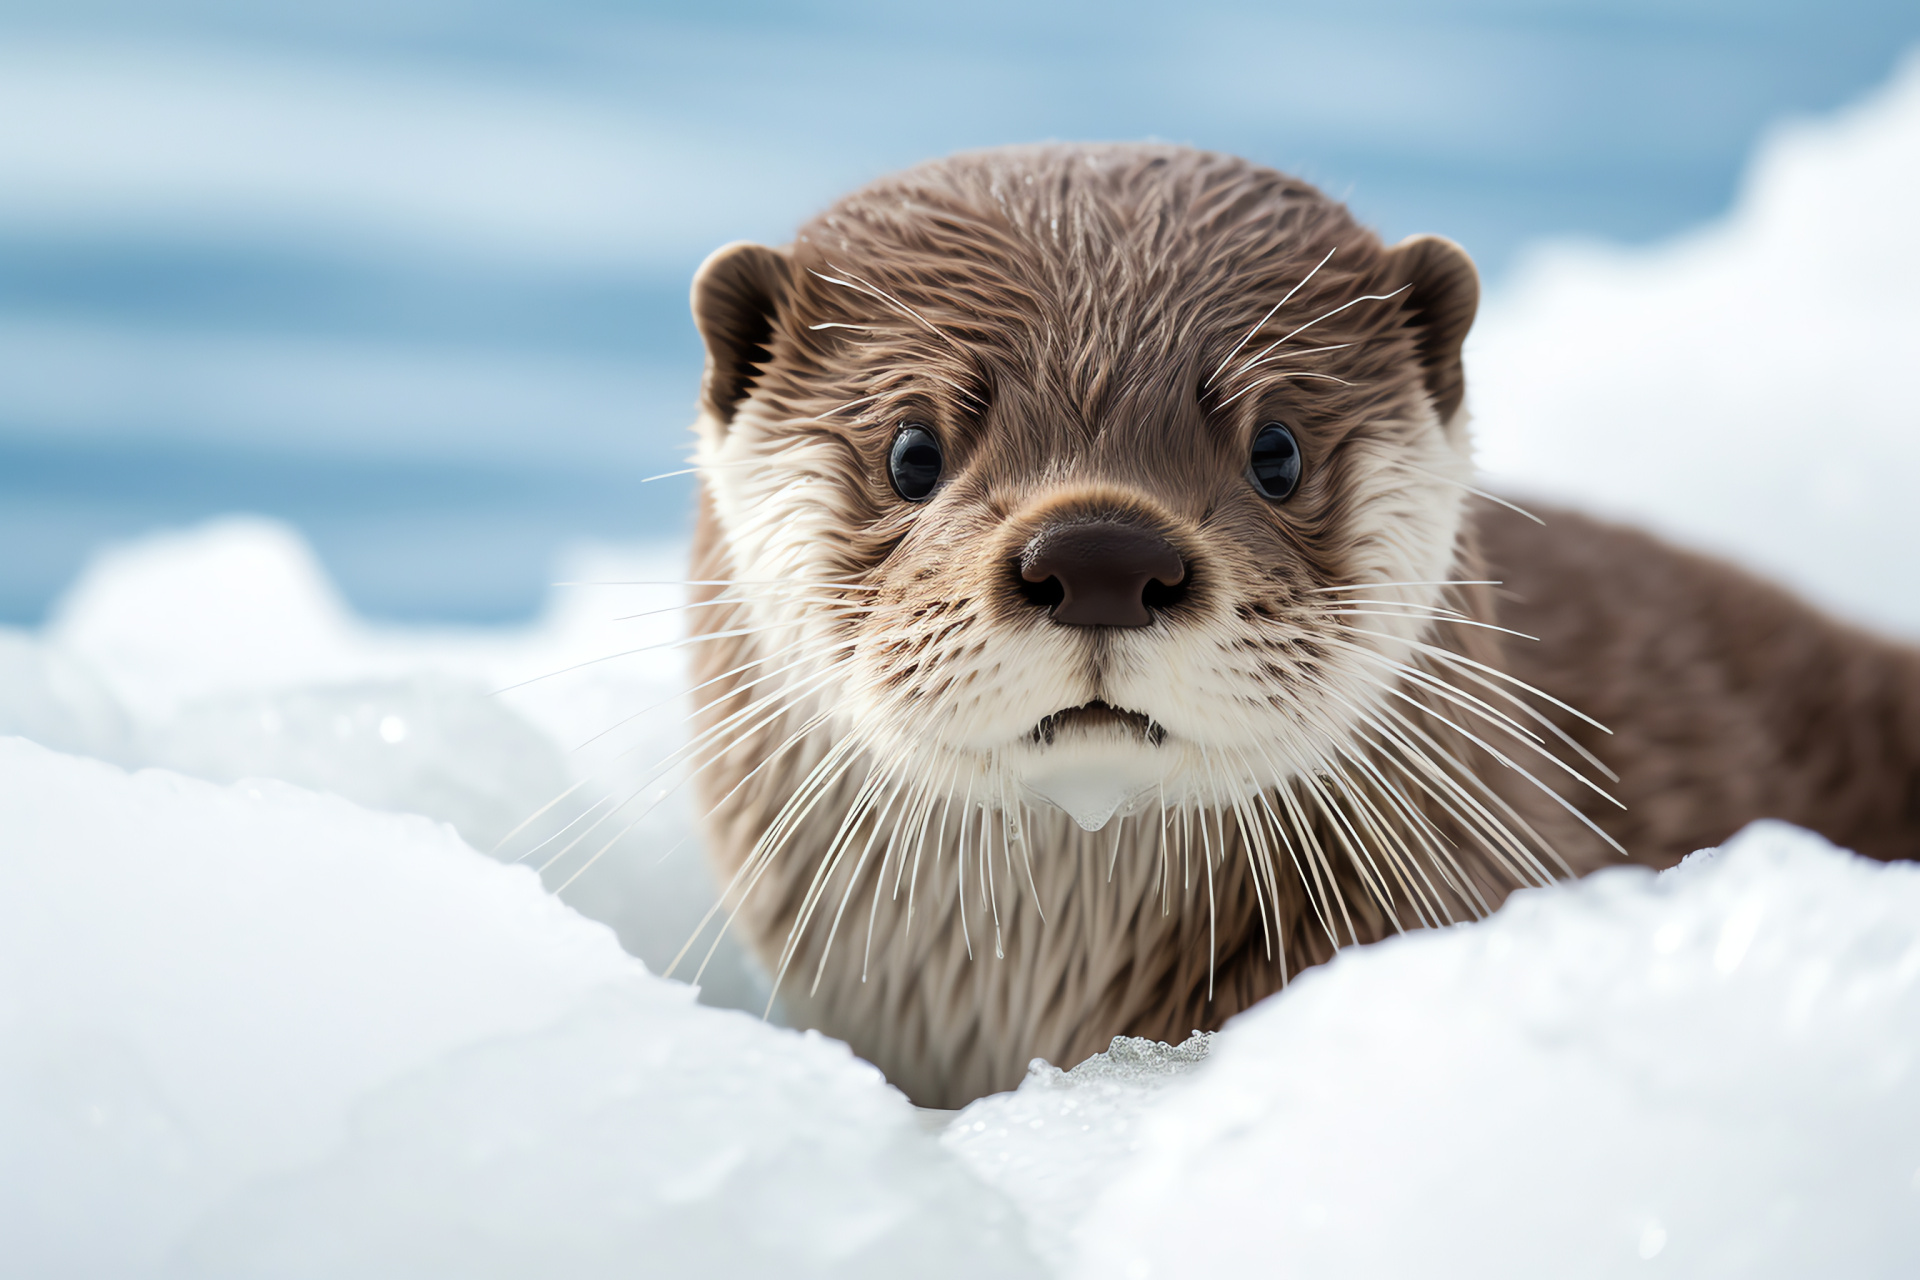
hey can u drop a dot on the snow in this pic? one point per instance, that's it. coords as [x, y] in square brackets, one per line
[1748, 388]
[250, 1030]
[224, 652]
[300, 995]
[1717, 1067]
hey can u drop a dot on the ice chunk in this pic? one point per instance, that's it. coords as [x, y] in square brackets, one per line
[1715, 1068]
[1057, 1140]
[237, 604]
[251, 1030]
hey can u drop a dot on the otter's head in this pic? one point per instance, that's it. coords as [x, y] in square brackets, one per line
[1050, 473]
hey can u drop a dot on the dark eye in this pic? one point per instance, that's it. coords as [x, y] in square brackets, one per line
[913, 463]
[1275, 467]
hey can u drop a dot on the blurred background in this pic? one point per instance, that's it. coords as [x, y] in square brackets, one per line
[410, 275]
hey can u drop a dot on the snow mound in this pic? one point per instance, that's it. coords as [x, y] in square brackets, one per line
[224, 652]
[236, 604]
[1745, 388]
[1717, 1069]
[251, 1030]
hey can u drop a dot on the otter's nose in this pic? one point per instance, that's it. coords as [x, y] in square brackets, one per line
[1101, 574]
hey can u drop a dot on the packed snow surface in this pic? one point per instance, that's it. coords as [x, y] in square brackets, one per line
[250, 1030]
[1716, 1068]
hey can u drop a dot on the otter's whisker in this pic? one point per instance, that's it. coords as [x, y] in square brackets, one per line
[1409, 728]
[1026, 860]
[1282, 377]
[1370, 586]
[1325, 315]
[1244, 369]
[919, 813]
[646, 782]
[1166, 873]
[1247, 845]
[1478, 493]
[1310, 883]
[913, 875]
[916, 796]
[1359, 857]
[714, 582]
[1437, 609]
[1463, 622]
[1321, 862]
[1422, 826]
[989, 895]
[1542, 787]
[681, 643]
[1206, 857]
[1420, 768]
[1528, 739]
[742, 669]
[1262, 323]
[535, 816]
[722, 601]
[865, 800]
[960, 868]
[1420, 893]
[1426, 680]
[794, 810]
[1455, 659]
[1544, 721]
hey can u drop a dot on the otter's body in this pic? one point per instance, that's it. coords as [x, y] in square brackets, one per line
[1728, 698]
[1099, 626]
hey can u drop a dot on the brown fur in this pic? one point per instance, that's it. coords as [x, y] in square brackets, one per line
[1728, 698]
[1086, 330]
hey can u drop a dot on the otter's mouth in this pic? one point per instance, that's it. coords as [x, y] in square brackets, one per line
[1093, 760]
[1096, 715]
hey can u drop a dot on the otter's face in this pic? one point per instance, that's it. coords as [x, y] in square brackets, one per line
[1088, 478]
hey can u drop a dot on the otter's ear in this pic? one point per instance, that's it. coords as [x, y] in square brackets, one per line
[1443, 299]
[738, 293]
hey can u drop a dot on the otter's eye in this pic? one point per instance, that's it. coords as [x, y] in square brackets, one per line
[913, 463]
[1275, 468]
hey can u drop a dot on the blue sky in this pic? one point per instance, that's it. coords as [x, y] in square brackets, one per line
[413, 275]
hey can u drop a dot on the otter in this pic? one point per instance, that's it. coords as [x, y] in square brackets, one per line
[1097, 623]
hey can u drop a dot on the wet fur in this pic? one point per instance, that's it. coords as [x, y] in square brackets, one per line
[1092, 331]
